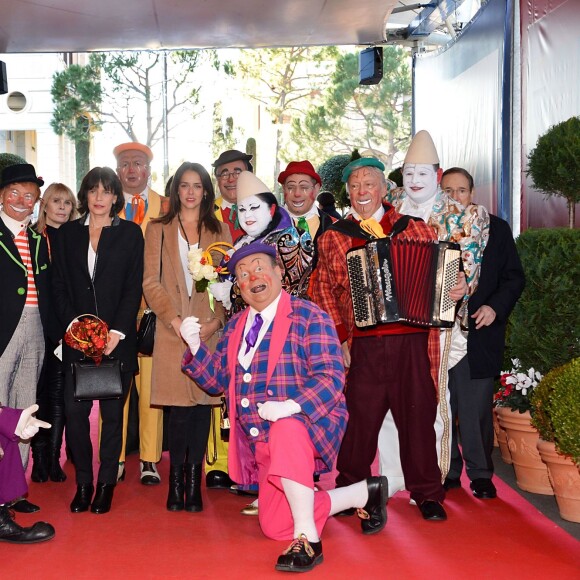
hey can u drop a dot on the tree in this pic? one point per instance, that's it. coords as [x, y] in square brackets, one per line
[290, 79]
[375, 117]
[76, 93]
[331, 173]
[225, 134]
[554, 164]
[135, 100]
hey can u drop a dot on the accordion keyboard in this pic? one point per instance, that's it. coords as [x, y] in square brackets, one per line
[450, 272]
[360, 290]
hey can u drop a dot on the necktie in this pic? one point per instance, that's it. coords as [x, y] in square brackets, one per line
[137, 209]
[303, 224]
[234, 216]
[252, 335]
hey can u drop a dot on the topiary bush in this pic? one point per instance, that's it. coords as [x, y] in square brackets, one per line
[556, 409]
[544, 327]
[7, 159]
[330, 172]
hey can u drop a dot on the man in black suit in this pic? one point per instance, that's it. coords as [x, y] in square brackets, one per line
[471, 381]
[24, 295]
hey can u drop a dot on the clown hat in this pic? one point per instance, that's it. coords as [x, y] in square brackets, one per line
[422, 150]
[249, 184]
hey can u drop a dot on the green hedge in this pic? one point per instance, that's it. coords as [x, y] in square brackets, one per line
[544, 328]
[7, 159]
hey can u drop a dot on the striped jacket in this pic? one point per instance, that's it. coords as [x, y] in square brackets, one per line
[299, 358]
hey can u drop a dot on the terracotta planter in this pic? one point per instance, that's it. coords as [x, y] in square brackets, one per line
[565, 479]
[531, 471]
[501, 438]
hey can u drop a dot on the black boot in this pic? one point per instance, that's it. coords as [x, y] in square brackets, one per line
[103, 498]
[40, 466]
[193, 501]
[82, 498]
[176, 488]
[56, 419]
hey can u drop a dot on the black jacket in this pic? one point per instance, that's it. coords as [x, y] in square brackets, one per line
[501, 283]
[13, 282]
[115, 294]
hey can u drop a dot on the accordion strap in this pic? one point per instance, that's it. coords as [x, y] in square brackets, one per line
[353, 230]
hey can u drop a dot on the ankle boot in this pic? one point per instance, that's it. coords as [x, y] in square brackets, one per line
[193, 501]
[103, 498]
[39, 472]
[56, 472]
[175, 496]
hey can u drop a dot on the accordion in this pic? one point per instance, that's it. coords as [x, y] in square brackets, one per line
[403, 280]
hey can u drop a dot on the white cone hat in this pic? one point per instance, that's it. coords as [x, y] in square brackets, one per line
[422, 150]
[249, 184]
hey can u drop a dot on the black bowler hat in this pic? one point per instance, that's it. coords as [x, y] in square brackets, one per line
[20, 173]
[233, 155]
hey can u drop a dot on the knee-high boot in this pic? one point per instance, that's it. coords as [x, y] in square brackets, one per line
[40, 464]
[176, 488]
[56, 417]
[193, 501]
[56, 472]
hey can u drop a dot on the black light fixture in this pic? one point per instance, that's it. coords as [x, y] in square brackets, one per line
[370, 65]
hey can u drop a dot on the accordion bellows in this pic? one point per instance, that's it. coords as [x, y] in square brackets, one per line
[402, 280]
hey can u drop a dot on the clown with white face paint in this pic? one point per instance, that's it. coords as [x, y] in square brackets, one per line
[263, 220]
[422, 197]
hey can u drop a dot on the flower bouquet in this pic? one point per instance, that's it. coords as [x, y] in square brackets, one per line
[89, 334]
[516, 387]
[201, 267]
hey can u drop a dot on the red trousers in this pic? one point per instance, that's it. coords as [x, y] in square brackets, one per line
[288, 453]
[392, 372]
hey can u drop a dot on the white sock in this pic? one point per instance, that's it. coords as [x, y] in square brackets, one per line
[301, 500]
[342, 498]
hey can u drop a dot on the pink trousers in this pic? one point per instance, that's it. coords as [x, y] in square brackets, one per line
[289, 453]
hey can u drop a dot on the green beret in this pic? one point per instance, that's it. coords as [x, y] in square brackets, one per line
[361, 162]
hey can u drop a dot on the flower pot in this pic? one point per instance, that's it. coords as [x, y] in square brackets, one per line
[501, 438]
[531, 471]
[565, 479]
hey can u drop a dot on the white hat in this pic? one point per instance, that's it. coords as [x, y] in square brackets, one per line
[248, 185]
[422, 150]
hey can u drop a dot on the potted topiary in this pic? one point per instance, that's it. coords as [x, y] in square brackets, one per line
[553, 163]
[556, 415]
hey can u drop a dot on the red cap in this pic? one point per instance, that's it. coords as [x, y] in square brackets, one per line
[304, 167]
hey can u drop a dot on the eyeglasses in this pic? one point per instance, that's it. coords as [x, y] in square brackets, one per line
[225, 174]
[302, 188]
[136, 164]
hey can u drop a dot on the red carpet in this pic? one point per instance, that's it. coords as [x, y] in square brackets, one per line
[503, 538]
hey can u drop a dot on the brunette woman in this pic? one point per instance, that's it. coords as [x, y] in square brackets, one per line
[98, 263]
[170, 292]
[58, 205]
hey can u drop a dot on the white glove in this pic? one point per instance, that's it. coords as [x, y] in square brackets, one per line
[221, 291]
[189, 330]
[274, 410]
[28, 426]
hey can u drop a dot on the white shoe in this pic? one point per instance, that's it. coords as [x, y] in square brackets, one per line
[149, 473]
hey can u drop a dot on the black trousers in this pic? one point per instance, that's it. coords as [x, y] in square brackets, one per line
[188, 433]
[471, 408]
[78, 433]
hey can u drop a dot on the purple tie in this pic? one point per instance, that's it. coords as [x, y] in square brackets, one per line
[252, 335]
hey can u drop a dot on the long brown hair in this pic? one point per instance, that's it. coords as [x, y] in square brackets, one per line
[207, 217]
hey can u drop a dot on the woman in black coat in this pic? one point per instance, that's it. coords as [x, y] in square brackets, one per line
[98, 269]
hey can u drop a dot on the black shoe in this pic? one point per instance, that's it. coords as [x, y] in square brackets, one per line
[346, 512]
[217, 479]
[149, 473]
[176, 488]
[82, 499]
[103, 498]
[374, 514]
[432, 511]
[483, 488]
[11, 532]
[56, 473]
[300, 556]
[23, 506]
[451, 483]
[193, 501]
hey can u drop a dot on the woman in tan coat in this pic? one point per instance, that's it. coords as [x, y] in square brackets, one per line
[170, 292]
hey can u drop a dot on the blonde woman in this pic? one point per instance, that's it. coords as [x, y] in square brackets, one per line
[58, 205]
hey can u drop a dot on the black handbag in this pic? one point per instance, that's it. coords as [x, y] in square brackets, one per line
[146, 330]
[96, 382]
[146, 333]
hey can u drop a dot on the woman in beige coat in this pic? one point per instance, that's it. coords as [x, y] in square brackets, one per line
[170, 292]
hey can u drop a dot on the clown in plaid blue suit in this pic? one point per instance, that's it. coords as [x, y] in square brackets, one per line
[284, 390]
